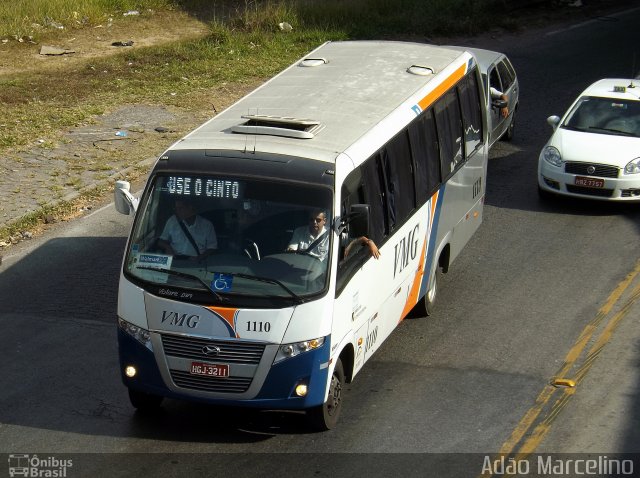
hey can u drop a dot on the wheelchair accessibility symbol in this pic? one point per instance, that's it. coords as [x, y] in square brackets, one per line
[222, 282]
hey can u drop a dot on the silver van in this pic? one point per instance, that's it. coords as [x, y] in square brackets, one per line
[497, 72]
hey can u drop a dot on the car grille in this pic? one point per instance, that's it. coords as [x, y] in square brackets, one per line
[601, 170]
[605, 193]
[238, 352]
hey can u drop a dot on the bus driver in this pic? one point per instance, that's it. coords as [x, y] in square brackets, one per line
[312, 239]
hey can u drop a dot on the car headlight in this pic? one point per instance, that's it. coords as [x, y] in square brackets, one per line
[291, 350]
[632, 167]
[138, 333]
[552, 156]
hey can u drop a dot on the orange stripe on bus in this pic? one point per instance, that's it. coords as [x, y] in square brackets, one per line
[412, 298]
[425, 102]
[226, 313]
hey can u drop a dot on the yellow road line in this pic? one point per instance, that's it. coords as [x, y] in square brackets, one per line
[527, 421]
[530, 417]
[541, 430]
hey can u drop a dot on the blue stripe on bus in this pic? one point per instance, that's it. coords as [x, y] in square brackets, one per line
[432, 242]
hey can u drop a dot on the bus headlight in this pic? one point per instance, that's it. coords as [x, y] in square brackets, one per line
[138, 333]
[552, 156]
[291, 350]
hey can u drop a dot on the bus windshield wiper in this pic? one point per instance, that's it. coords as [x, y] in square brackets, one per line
[184, 275]
[269, 281]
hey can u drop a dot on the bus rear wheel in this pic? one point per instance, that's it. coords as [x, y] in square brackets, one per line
[325, 417]
[432, 293]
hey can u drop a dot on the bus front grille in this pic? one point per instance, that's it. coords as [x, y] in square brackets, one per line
[210, 384]
[196, 348]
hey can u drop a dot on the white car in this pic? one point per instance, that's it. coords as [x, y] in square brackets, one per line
[594, 151]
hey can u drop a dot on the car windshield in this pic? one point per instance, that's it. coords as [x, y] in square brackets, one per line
[605, 116]
[233, 237]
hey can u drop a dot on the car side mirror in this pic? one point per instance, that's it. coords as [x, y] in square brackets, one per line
[125, 202]
[553, 121]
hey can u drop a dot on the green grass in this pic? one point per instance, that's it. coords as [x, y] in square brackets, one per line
[244, 45]
[38, 17]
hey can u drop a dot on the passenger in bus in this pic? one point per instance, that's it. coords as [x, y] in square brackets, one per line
[496, 94]
[363, 241]
[313, 239]
[186, 234]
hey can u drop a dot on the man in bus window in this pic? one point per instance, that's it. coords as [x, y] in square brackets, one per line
[188, 234]
[313, 239]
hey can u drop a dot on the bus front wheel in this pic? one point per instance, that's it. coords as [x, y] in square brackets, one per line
[325, 416]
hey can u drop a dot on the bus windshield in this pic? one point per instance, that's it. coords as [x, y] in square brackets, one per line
[233, 236]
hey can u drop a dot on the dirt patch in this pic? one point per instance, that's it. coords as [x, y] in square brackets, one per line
[122, 144]
[152, 28]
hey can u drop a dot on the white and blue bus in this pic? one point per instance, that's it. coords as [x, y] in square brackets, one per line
[375, 140]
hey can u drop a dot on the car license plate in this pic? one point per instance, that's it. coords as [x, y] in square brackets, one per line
[589, 182]
[209, 369]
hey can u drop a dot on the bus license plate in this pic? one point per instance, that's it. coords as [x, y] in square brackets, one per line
[209, 369]
[589, 182]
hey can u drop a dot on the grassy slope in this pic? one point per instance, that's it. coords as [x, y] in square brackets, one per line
[186, 50]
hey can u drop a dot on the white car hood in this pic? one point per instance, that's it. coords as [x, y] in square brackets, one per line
[595, 148]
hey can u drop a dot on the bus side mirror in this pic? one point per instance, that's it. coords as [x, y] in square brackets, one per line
[359, 224]
[125, 202]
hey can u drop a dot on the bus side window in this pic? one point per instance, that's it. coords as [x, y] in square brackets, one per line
[351, 193]
[375, 196]
[471, 113]
[449, 125]
[398, 168]
[424, 146]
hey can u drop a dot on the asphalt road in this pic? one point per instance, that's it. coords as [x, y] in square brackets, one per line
[544, 290]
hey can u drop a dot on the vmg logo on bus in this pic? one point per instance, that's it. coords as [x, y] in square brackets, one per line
[406, 250]
[180, 320]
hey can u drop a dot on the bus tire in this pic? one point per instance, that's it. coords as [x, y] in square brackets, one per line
[325, 417]
[145, 402]
[432, 293]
